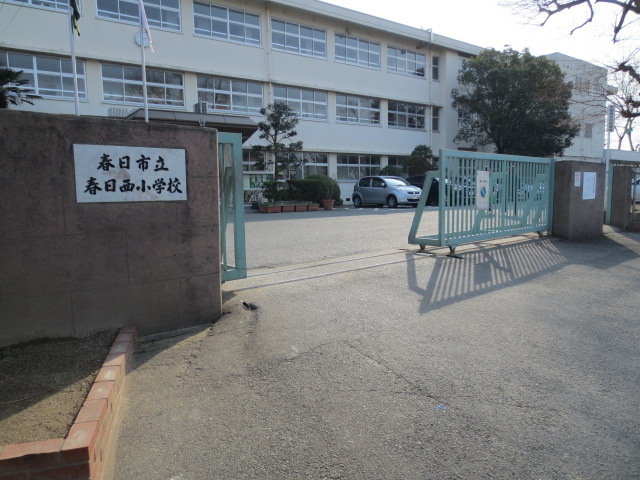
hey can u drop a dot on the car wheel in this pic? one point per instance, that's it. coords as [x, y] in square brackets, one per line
[357, 202]
[392, 201]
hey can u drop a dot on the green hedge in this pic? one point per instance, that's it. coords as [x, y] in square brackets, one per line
[312, 189]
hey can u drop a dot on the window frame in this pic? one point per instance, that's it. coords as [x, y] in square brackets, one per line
[59, 5]
[435, 118]
[359, 108]
[122, 16]
[35, 74]
[360, 52]
[298, 103]
[398, 161]
[152, 86]
[419, 119]
[357, 166]
[228, 22]
[435, 68]
[292, 30]
[233, 92]
[392, 66]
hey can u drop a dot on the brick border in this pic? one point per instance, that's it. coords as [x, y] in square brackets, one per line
[84, 453]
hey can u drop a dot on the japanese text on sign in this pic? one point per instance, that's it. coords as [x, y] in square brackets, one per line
[107, 173]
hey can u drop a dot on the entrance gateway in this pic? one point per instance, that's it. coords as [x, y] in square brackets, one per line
[483, 196]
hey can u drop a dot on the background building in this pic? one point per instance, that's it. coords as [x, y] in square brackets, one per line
[367, 90]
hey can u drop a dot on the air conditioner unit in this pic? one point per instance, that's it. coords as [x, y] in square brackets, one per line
[200, 107]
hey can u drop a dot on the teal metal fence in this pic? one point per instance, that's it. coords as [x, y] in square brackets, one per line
[232, 233]
[483, 196]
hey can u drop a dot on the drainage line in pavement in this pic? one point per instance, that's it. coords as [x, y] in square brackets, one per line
[332, 263]
[319, 275]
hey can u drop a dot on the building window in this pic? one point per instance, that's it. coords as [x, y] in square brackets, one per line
[231, 95]
[435, 68]
[253, 161]
[160, 13]
[588, 130]
[435, 119]
[314, 164]
[306, 103]
[352, 167]
[226, 23]
[400, 163]
[48, 76]
[55, 4]
[405, 62]
[406, 115]
[124, 84]
[291, 37]
[354, 109]
[357, 51]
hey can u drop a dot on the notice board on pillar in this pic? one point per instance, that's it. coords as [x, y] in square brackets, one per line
[113, 173]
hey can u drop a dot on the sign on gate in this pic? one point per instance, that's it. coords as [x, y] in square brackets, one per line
[482, 190]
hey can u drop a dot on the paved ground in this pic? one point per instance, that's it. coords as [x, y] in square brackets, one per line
[518, 360]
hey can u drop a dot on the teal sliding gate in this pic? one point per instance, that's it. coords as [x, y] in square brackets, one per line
[232, 237]
[483, 196]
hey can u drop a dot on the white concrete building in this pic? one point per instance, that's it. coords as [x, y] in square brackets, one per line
[588, 106]
[367, 90]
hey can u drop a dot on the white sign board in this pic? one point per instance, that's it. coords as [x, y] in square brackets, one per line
[108, 173]
[482, 190]
[589, 186]
[577, 179]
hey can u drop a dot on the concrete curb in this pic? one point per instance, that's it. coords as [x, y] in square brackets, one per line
[88, 447]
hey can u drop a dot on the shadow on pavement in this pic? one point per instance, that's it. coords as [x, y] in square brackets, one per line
[493, 267]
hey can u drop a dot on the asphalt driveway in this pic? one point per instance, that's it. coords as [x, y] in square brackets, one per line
[519, 359]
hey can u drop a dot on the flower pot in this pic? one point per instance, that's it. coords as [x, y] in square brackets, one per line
[313, 207]
[288, 208]
[327, 204]
[270, 208]
[301, 208]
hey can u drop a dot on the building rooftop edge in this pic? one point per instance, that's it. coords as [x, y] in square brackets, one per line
[378, 23]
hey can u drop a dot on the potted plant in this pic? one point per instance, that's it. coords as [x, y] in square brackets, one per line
[327, 191]
[266, 207]
[288, 207]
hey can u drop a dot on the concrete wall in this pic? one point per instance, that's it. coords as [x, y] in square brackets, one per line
[573, 217]
[68, 269]
[621, 196]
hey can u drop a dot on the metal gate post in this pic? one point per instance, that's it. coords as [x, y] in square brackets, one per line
[231, 206]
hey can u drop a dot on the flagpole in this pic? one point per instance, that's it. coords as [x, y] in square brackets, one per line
[73, 61]
[144, 68]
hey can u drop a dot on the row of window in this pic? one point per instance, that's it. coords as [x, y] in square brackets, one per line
[234, 25]
[53, 77]
[349, 166]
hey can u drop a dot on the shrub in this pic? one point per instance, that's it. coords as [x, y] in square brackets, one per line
[311, 189]
[324, 187]
[276, 191]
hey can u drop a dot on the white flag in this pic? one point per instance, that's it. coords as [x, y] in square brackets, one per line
[145, 25]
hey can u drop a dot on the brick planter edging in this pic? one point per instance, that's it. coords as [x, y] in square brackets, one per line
[83, 454]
